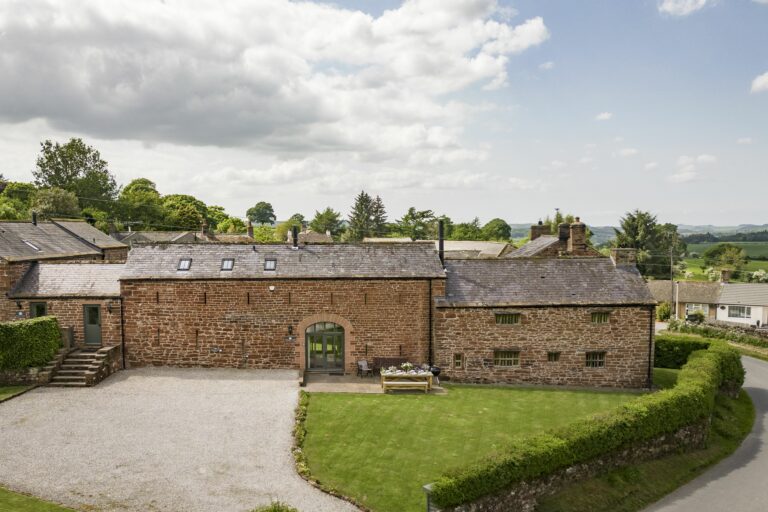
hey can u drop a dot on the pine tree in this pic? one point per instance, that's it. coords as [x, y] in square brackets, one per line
[361, 217]
[379, 217]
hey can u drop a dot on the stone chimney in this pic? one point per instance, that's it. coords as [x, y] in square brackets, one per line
[725, 275]
[624, 257]
[577, 242]
[250, 229]
[563, 231]
[537, 230]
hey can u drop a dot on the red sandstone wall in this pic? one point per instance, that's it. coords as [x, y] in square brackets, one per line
[69, 313]
[10, 273]
[474, 333]
[118, 255]
[178, 323]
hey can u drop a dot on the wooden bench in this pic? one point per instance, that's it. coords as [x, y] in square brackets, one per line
[401, 384]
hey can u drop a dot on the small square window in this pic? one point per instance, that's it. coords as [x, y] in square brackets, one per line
[37, 309]
[270, 264]
[507, 318]
[553, 357]
[227, 264]
[595, 359]
[506, 358]
[185, 264]
[458, 360]
[600, 317]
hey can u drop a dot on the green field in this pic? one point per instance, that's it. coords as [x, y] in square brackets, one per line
[695, 264]
[753, 249]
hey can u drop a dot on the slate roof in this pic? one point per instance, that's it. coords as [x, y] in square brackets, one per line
[51, 240]
[748, 294]
[90, 234]
[156, 236]
[696, 292]
[459, 249]
[543, 282]
[161, 261]
[534, 247]
[69, 280]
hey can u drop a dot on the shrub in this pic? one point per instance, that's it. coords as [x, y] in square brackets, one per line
[696, 317]
[663, 312]
[674, 351]
[691, 401]
[27, 343]
[719, 333]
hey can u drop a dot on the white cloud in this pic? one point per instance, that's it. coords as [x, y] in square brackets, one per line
[651, 166]
[745, 140]
[586, 160]
[626, 152]
[546, 66]
[328, 81]
[604, 116]
[764, 2]
[618, 139]
[760, 83]
[688, 167]
[682, 7]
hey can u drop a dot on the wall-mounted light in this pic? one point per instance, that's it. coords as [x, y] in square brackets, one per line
[272, 288]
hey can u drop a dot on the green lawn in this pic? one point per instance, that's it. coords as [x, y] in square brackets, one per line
[381, 449]
[9, 391]
[10, 501]
[635, 487]
[695, 264]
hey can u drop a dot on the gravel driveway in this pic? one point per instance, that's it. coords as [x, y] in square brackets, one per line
[156, 439]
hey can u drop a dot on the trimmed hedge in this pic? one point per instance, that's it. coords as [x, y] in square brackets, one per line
[689, 402]
[718, 333]
[28, 343]
[673, 351]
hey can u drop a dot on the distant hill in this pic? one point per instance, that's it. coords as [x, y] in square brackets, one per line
[600, 234]
[686, 229]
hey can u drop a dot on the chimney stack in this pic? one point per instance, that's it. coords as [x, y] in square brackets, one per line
[563, 231]
[624, 257]
[725, 275]
[441, 242]
[537, 230]
[577, 241]
[250, 229]
[295, 236]
[34, 218]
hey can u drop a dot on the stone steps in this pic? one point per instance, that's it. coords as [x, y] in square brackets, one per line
[75, 369]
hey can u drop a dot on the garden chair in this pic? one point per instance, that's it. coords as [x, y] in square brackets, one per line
[363, 369]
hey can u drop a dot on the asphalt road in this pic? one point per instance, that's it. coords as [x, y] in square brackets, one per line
[738, 483]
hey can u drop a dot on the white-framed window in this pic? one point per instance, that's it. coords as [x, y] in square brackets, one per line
[270, 264]
[184, 264]
[227, 264]
[739, 312]
[690, 308]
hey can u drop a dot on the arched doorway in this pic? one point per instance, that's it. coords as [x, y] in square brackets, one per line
[325, 347]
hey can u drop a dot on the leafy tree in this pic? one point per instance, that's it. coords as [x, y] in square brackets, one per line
[361, 218]
[261, 213]
[467, 230]
[654, 242]
[497, 229]
[725, 256]
[98, 218]
[77, 168]
[20, 191]
[55, 202]
[230, 225]
[378, 217]
[12, 209]
[447, 226]
[416, 224]
[264, 233]
[3, 183]
[281, 232]
[178, 211]
[184, 216]
[140, 203]
[328, 220]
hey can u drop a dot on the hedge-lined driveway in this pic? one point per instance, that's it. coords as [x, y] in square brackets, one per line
[159, 439]
[738, 483]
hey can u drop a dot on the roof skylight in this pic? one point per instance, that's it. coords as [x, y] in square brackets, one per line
[33, 246]
[185, 264]
[270, 264]
[227, 264]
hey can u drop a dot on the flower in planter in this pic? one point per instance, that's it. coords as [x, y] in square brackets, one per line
[407, 367]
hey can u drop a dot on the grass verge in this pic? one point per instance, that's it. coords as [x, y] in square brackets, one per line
[14, 502]
[633, 488]
[9, 391]
[380, 450]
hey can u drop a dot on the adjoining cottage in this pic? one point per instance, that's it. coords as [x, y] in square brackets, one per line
[688, 296]
[744, 303]
[576, 321]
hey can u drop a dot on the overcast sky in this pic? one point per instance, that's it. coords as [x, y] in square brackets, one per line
[467, 107]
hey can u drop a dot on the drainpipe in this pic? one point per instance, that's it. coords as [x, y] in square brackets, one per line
[652, 328]
[122, 330]
[431, 329]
